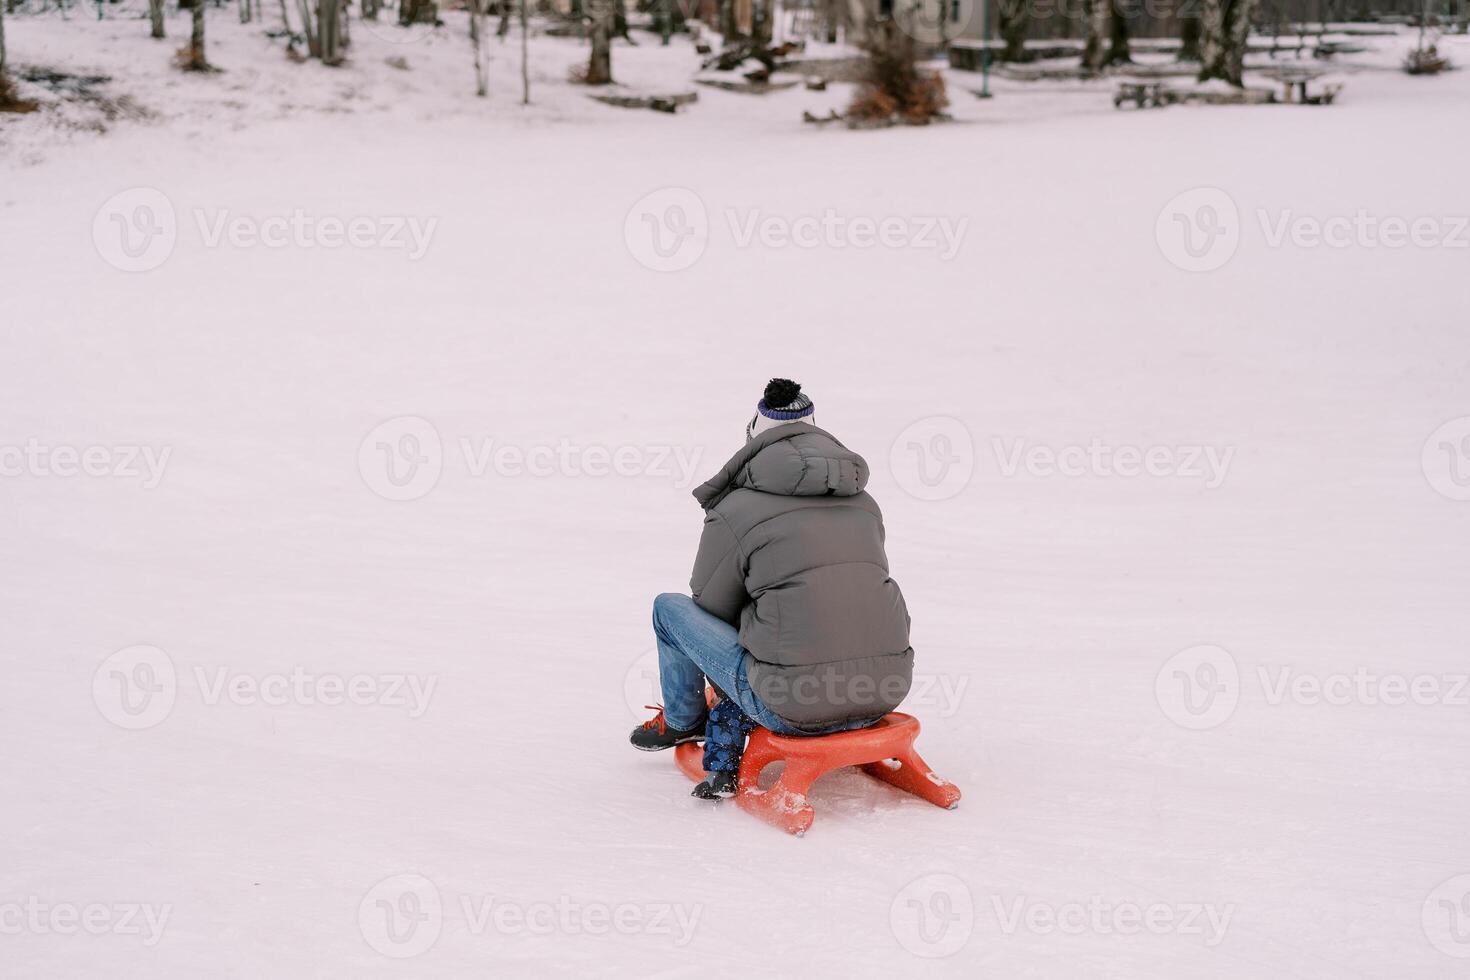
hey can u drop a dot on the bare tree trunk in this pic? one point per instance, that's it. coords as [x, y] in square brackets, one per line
[197, 60]
[729, 24]
[1096, 14]
[1015, 24]
[1118, 52]
[525, 56]
[308, 30]
[369, 9]
[155, 17]
[477, 38]
[329, 30]
[244, 11]
[761, 21]
[1224, 28]
[599, 66]
[2, 52]
[1189, 33]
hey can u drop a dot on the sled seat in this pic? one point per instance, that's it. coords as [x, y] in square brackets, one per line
[884, 751]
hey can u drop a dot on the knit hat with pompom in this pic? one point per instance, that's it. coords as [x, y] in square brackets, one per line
[782, 402]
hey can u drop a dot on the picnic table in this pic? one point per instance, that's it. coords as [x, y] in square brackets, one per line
[1142, 94]
[1296, 84]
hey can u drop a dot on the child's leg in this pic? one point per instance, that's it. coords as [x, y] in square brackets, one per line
[724, 737]
[724, 744]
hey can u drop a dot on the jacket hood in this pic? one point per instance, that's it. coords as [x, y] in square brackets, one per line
[792, 461]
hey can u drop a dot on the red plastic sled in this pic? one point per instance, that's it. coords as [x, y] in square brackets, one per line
[884, 751]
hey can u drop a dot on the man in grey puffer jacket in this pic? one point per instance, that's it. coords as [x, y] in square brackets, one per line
[794, 618]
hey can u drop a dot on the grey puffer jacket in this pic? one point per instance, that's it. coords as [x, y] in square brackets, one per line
[792, 554]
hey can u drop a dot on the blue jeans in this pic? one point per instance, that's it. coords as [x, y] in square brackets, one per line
[693, 645]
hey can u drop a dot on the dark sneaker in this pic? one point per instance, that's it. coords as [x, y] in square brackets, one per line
[717, 786]
[655, 736]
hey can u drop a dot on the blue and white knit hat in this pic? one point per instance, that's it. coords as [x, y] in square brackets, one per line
[783, 402]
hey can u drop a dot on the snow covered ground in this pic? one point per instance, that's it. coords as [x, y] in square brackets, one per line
[1209, 719]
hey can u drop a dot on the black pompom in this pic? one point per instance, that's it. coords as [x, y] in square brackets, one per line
[781, 392]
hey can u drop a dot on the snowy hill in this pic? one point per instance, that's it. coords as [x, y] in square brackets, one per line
[333, 529]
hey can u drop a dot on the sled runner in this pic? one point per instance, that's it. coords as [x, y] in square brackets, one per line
[884, 751]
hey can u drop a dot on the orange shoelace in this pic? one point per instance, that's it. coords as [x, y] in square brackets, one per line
[657, 719]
